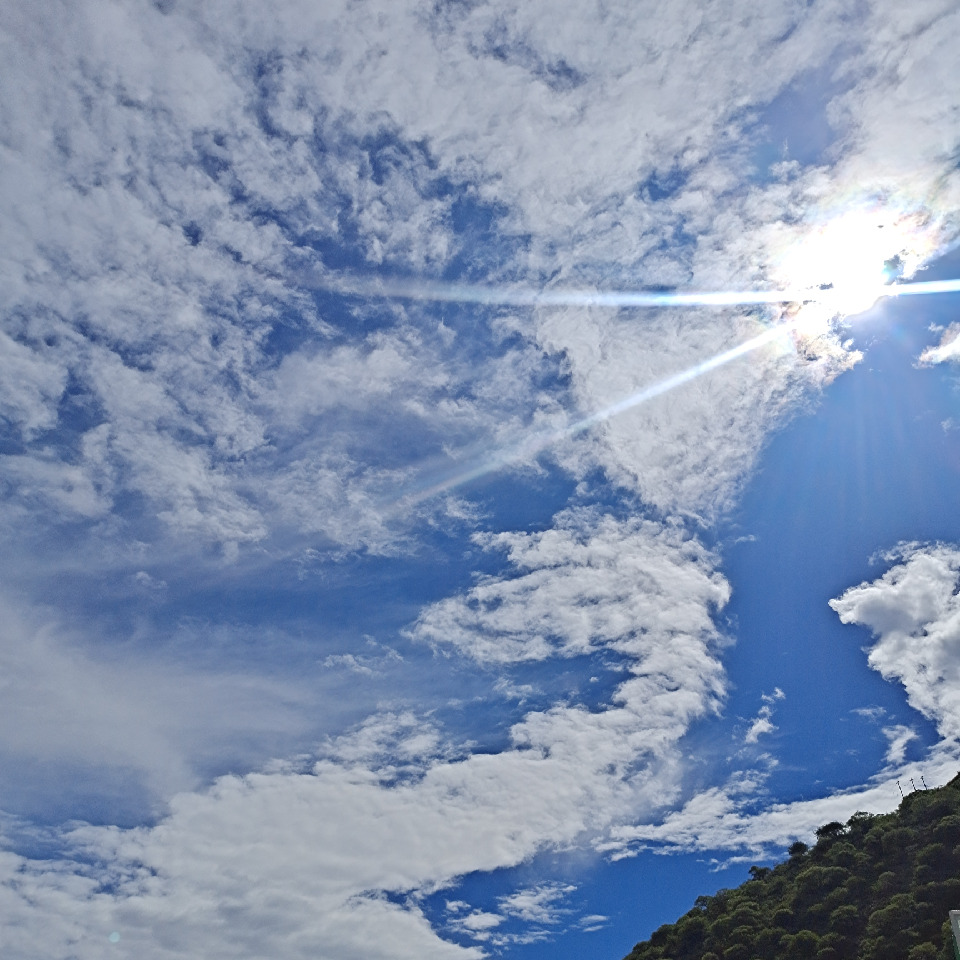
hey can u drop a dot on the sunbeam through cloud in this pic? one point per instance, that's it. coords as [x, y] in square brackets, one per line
[474, 477]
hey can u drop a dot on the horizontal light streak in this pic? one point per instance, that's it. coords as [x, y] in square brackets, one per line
[438, 292]
[923, 287]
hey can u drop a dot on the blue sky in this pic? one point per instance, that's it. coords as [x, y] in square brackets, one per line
[376, 582]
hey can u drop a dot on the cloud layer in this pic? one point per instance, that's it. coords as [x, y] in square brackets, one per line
[189, 382]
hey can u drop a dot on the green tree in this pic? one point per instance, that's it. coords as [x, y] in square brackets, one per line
[877, 889]
[799, 946]
[829, 830]
[846, 920]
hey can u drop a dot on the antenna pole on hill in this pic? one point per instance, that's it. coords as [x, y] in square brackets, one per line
[900, 789]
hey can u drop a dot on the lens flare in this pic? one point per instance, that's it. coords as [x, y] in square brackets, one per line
[851, 260]
[844, 260]
[836, 270]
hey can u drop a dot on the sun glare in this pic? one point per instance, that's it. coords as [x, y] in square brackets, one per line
[847, 264]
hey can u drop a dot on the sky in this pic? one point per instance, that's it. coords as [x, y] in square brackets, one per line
[475, 475]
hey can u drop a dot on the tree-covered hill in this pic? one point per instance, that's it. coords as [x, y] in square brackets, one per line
[879, 887]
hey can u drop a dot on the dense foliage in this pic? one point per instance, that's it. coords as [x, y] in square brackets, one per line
[879, 887]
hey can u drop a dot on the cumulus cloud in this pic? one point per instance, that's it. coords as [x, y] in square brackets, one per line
[538, 904]
[231, 868]
[898, 735]
[478, 924]
[391, 810]
[164, 277]
[149, 291]
[913, 613]
[535, 909]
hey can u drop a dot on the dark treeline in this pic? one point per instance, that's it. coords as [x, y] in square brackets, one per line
[879, 887]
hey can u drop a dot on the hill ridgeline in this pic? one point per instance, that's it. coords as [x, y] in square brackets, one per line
[879, 887]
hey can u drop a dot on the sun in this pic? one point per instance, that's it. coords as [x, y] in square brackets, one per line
[846, 264]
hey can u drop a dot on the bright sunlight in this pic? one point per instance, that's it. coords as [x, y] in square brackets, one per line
[849, 263]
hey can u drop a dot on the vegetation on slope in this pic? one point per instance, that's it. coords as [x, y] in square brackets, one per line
[879, 887]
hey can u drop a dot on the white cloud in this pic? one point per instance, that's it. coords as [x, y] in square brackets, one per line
[75, 490]
[145, 217]
[730, 818]
[947, 350]
[898, 736]
[538, 904]
[31, 386]
[639, 588]
[537, 910]
[393, 810]
[913, 612]
[229, 867]
[146, 722]
[138, 217]
[479, 923]
[763, 723]
[167, 207]
[760, 726]
[308, 384]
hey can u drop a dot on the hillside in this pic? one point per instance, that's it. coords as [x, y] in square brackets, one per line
[876, 888]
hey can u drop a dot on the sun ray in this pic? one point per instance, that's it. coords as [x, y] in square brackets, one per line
[439, 292]
[535, 443]
[923, 287]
